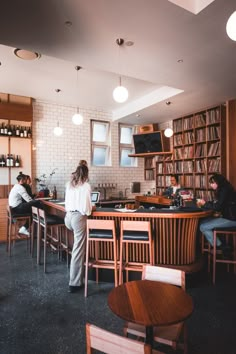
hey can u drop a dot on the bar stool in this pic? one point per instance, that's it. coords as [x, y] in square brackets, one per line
[35, 225]
[136, 234]
[14, 222]
[101, 248]
[228, 233]
[47, 224]
[206, 249]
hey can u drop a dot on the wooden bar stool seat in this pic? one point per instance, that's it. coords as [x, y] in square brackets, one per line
[101, 248]
[138, 235]
[51, 228]
[228, 234]
[14, 223]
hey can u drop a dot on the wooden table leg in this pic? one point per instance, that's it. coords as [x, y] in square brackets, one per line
[149, 335]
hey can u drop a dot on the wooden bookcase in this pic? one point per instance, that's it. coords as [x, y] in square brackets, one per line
[13, 114]
[199, 148]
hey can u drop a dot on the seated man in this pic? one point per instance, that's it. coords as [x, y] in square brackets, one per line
[171, 191]
[21, 202]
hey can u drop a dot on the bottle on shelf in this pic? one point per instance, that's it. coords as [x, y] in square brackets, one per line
[9, 130]
[2, 131]
[25, 132]
[14, 130]
[17, 130]
[54, 193]
[17, 161]
[11, 160]
[21, 132]
[5, 130]
[29, 134]
[8, 161]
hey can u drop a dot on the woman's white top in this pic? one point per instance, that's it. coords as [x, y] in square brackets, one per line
[16, 194]
[78, 198]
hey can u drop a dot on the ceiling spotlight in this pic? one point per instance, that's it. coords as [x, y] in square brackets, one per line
[168, 103]
[180, 61]
[26, 54]
[68, 23]
[231, 26]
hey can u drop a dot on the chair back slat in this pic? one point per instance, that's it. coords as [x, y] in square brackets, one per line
[107, 342]
[100, 224]
[131, 225]
[165, 275]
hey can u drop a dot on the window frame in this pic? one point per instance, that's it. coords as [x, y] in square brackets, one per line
[101, 144]
[123, 146]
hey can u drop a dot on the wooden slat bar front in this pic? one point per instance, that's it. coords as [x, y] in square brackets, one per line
[174, 232]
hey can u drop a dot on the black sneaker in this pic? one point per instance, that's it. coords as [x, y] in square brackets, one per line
[74, 289]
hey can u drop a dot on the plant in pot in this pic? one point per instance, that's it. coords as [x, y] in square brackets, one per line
[44, 183]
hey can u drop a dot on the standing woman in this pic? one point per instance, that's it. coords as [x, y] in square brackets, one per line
[78, 206]
[225, 204]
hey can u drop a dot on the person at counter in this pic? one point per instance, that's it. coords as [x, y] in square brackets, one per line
[224, 203]
[21, 202]
[78, 207]
[171, 191]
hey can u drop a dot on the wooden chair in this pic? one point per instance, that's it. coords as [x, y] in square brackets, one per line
[35, 225]
[52, 239]
[168, 335]
[229, 234]
[14, 222]
[99, 233]
[138, 233]
[107, 342]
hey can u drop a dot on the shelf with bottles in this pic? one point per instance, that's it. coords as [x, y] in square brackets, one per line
[14, 130]
[10, 160]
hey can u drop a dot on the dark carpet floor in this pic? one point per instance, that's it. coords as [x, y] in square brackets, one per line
[38, 315]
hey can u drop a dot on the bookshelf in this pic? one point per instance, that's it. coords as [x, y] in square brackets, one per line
[199, 149]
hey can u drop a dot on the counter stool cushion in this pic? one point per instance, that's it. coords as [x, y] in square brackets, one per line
[52, 220]
[96, 233]
[136, 235]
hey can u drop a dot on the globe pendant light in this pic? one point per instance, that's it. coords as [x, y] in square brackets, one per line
[120, 93]
[77, 118]
[57, 131]
[168, 132]
[231, 26]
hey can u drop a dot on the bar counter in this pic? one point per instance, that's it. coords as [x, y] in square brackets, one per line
[174, 232]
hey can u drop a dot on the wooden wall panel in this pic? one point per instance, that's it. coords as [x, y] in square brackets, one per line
[3, 219]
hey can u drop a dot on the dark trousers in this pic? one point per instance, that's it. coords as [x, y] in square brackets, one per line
[25, 208]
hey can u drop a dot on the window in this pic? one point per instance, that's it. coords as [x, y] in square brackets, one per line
[126, 145]
[100, 143]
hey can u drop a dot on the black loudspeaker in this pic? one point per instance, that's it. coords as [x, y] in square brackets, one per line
[150, 142]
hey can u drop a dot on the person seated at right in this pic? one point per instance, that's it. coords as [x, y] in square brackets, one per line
[21, 202]
[171, 191]
[223, 203]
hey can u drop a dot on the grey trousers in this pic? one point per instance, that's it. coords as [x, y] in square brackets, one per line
[77, 223]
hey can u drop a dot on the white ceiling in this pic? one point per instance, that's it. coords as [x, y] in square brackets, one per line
[162, 33]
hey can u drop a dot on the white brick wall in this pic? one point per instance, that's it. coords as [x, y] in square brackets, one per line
[64, 152]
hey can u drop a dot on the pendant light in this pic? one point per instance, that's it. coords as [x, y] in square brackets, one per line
[231, 26]
[168, 132]
[77, 118]
[120, 93]
[57, 131]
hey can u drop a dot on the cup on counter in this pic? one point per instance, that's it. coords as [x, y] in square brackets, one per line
[130, 206]
[199, 202]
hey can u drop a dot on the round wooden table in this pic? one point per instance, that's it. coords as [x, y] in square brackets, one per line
[150, 303]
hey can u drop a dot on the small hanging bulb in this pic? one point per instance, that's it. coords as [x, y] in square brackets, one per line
[120, 93]
[168, 132]
[57, 131]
